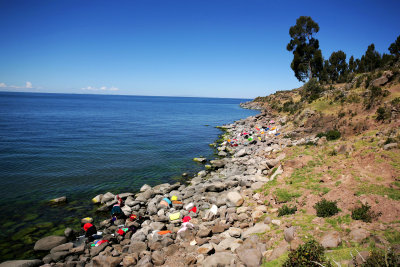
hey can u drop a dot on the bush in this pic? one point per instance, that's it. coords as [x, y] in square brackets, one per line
[330, 135]
[382, 114]
[310, 254]
[364, 213]
[311, 90]
[380, 258]
[326, 208]
[285, 210]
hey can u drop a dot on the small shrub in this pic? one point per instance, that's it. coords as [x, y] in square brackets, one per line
[341, 114]
[380, 258]
[310, 254]
[364, 213]
[332, 135]
[332, 153]
[285, 210]
[311, 90]
[389, 141]
[395, 101]
[326, 208]
[382, 114]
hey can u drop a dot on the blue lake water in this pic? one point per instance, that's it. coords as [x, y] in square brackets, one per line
[53, 145]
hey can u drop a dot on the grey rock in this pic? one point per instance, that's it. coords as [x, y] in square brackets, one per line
[145, 187]
[331, 240]
[235, 199]
[130, 259]
[390, 146]
[359, 235]
[145, 261]
[94, 251]
[63, 247]
[220, 259]
[256, 229]
[241, 153]
[107, 197]
[49, 242]
[59, 255]
[217, 163]
[205, 232]
[106, 261]
[215, 187]
[206, 249]
[251, 257]
[289, 233]
[157, 226]
[59, 200]
[158, 258]
[137, 246]
[69, 233]
[257, 185]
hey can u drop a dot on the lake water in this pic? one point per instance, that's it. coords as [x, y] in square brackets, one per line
[78, 146]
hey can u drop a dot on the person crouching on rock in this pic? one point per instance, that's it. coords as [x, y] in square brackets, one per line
[116, 212]
[90, 230]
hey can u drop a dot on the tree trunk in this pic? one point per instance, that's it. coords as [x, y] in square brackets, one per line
[309, 71]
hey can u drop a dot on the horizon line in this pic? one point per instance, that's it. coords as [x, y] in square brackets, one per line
[72, 93]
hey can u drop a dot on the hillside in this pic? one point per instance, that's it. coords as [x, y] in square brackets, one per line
[360, 166]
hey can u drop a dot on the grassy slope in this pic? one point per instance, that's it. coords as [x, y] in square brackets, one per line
[364, 172]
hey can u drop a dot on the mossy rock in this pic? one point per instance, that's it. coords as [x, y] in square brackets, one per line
[22, 233]
[58, 232]
[45, 225]
[30, 217]
[8, 224]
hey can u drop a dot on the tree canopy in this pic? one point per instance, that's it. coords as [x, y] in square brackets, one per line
[338, 66]
[307, 61]
[394, 48]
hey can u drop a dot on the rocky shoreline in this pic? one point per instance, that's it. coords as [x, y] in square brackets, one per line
[222, 213]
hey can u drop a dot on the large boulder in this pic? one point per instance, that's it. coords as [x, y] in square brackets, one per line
[358, 235]
[215, 187]
[220, 259]
[235, 199]
[22, 263]
[106, 261]
[251, 257]
[217, 163]
[49, 242]
[256, 229]
[331, 240]
[383, 79]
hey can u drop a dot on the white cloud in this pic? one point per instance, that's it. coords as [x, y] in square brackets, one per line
[28, 85]
[102, 88]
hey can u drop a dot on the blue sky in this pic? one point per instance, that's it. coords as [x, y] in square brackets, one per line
[213, 48]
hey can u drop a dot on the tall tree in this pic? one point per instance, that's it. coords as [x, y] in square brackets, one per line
[307, 61]
[372, 59]
[338, 66]
[324, 74]
[394, 48]
[352, 64]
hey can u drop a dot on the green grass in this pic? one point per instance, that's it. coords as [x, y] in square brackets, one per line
[392, 193]
[277, 262]
[392, 236]
[336, 222]
[339, 254]
[284, 195]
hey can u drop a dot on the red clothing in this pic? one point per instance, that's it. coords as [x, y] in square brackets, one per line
[86, 226]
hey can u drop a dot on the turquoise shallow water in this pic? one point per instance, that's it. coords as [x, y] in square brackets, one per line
[53, 145]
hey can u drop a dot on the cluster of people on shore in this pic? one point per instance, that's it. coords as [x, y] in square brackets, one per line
[251, 137]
